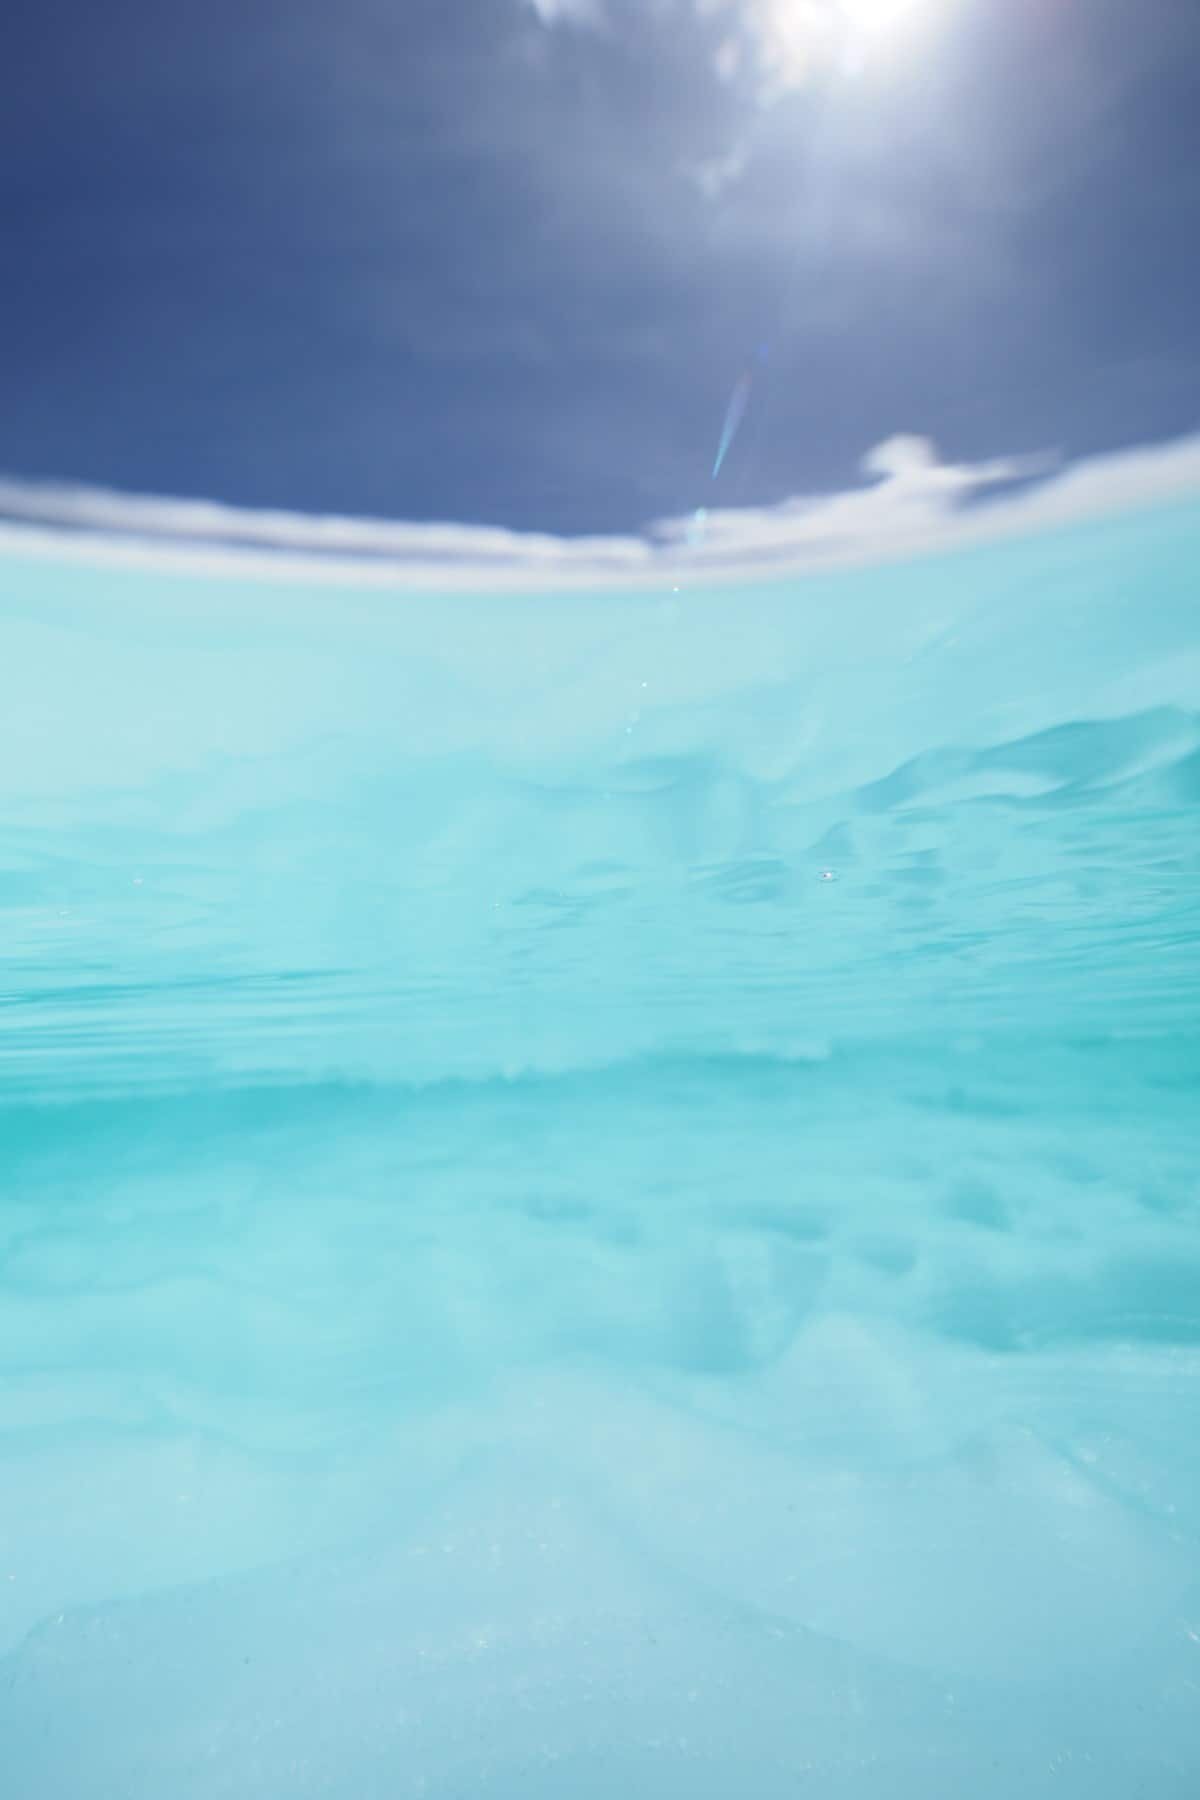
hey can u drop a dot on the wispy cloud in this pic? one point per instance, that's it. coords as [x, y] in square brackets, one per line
[777, 45]
[910, 504]
[581, 12]
[789, 41]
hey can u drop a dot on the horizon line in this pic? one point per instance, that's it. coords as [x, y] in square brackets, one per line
[909, 505]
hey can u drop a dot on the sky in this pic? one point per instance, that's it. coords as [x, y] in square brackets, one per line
[525, 263]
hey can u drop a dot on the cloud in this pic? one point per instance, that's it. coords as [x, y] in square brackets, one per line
[578, 12]
[791, 40]
[912, 501]
[95, 516]
[776, 45]
[713, 174]
[911, 504]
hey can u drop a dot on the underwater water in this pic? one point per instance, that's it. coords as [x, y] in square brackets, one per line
[599, 1191]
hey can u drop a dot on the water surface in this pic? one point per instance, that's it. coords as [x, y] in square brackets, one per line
[600, 1189]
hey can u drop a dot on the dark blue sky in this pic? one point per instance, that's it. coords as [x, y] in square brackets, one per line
[441, 259]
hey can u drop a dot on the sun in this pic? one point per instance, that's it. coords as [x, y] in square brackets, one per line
[798, 39]
[878, 18]
[799, 32]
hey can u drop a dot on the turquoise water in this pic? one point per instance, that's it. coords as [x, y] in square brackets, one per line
[600, 1190]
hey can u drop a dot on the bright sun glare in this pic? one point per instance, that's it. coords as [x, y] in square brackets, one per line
[798, 36]
[872, 18]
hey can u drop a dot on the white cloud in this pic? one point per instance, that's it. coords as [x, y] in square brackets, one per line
[727, 58]
[792, 38]
[580, 12]
[785, 42]
[910, 505]
[716, 173]
[98, 515]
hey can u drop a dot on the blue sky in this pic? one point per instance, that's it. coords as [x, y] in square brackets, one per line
[504, 263]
